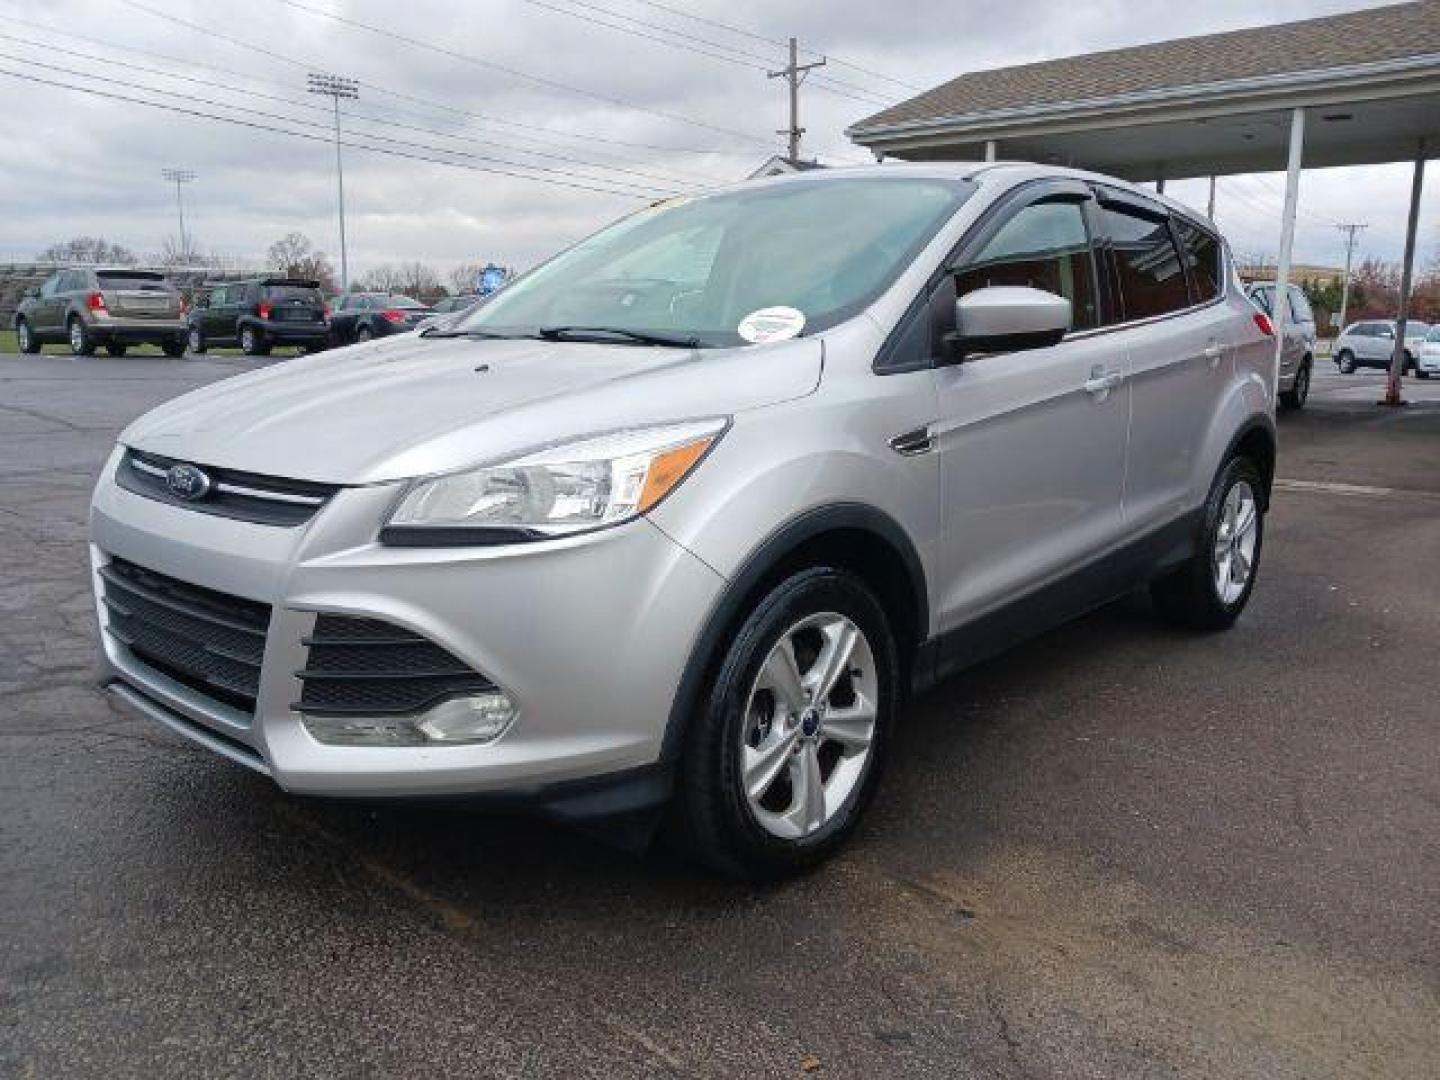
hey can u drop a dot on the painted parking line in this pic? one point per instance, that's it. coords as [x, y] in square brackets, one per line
[1330, 488]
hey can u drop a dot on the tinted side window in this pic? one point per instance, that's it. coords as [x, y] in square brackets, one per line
[52, 283]
[1202, 257]
[1299, 306]
[217, 297]
[1147, 266]
[1045, 246]
[1263, 298]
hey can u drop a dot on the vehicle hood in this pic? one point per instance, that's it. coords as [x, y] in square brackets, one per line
[408, 406]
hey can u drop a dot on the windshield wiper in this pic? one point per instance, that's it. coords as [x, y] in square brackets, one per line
[436, 332]
[636, 337]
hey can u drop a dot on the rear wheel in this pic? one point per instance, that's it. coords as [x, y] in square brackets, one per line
[116, 348]
[1345, 362]
[788, 748]
[1211, 588]
[364, 334]
[25, 339]
[252, 342]
[1294, 398]
[173, 347]
[196, 341]
[81, 343]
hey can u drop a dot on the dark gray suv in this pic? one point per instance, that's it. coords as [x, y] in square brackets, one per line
[92, 306]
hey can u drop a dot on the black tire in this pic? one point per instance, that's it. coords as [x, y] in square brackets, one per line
[82, 342]
[173, 347]
[25, 338]
[1188, 595]
[712, 818]
[116, 348]
[1296, 396]
[252, 342]
[1419, 374]
[196, 341]
[1408, 366]
[1345, 361]
[363, 333]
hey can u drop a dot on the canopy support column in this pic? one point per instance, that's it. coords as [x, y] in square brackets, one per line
[1287, 241]
[990, 149]
[1397, 359]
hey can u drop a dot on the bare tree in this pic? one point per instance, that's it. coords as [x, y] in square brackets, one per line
[463, 277]
[172, 254]
[383, 279]
[295, 256]
[88, 249]
[420, 281]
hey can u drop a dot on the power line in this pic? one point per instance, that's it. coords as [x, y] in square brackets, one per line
[212, 84]
[390, 34]
[302, 65]
[778, 41]
[389, 151]
[730, 56]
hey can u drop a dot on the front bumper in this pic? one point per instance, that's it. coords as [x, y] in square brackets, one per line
[1428, 362]
[137, 331]
[588, 635]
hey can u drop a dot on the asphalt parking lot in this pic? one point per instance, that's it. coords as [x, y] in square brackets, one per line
[1119, 851]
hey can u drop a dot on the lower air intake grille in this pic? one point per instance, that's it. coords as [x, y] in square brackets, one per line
[207, 640]
[366, 667]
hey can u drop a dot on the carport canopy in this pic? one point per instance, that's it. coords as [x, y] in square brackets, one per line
[1360, 88]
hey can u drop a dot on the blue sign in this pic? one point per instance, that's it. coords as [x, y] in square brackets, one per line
[490, 279]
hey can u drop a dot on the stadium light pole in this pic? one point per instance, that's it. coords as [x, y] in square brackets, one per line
[336, 88]
[179, 177]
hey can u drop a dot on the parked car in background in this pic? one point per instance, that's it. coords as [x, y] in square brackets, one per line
[1428, 362]
[114, 307]
[647, 528]
[1297, 358]
[260, 314]
[362, 316]
[1371, 344]
[448, 304]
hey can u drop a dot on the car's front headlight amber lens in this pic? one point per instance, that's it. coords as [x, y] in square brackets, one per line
[564, 489]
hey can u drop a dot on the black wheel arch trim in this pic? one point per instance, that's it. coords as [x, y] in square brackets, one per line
[1266, 426]
[769, 554]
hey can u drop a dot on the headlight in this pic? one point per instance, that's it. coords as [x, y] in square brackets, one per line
[564, 489]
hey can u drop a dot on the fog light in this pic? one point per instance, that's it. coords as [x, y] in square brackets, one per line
[475, 718]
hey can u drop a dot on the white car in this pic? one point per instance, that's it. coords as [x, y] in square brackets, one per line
[1372, 343]
[1428, 362]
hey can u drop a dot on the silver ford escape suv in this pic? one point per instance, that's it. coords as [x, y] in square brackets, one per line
[673, 523]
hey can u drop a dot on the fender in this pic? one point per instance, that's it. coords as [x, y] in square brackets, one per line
[766, 556]
[1246, 408]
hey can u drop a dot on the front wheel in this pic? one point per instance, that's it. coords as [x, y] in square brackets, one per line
[196, 341]
[116, 348]
[173, 347]
[252, 343]
[788, 748]
[25, 338]
[364, 334]
[1210, 589]
[1345, 362]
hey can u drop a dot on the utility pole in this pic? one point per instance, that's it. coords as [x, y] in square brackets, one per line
[178, 177]
[794, 73]
[1350, 230]
[335, 88]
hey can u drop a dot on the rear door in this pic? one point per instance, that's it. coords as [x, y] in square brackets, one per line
[1177, 348]
[45, 315]
[1032, 443]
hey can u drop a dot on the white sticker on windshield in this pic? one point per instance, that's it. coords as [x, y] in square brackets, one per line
[771, 324]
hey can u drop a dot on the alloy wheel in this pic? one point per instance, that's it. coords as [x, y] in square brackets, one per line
[1235, 539]
[77, 336]
[809, 725]
[22, 336]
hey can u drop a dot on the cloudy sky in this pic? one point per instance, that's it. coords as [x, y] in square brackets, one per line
[578, 122]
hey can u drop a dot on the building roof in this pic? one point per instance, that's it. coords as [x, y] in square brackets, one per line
[781, 164]
[1371, 36]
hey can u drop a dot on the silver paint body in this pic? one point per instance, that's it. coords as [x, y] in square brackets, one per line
[1042, 462]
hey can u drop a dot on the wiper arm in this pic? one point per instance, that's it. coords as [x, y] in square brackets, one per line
[637, 337]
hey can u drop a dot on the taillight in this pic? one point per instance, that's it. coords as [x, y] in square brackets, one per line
[264, 309]
[1263, 323]
[392, 315]
[95, 301]
[325, 311]
[184, 304]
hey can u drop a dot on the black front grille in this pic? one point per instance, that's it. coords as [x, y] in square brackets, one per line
[263, 500]
[369, 667]
[207, 640]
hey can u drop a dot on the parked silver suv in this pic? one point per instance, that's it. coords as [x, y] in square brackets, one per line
[1297, 358]
[681, 516]
[1371, 344]
[116, 307]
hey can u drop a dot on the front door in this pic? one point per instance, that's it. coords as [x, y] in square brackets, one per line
[1032, 443]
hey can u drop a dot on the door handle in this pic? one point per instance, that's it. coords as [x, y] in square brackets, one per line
[1213, 352]
[1101, 382]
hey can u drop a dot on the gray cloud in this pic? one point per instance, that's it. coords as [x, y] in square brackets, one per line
[78, 164]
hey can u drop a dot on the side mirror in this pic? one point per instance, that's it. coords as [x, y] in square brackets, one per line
[1006, 318]
[32, 293]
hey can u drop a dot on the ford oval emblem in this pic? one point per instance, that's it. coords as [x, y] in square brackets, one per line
[187, 482]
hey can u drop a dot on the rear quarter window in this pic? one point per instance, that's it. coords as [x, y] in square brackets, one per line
[1202, 259]
[292, 292]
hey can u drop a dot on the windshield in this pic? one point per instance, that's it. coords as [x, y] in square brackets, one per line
[402, 302]
[1416, 328]
[1434, 334]
[699, 268]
